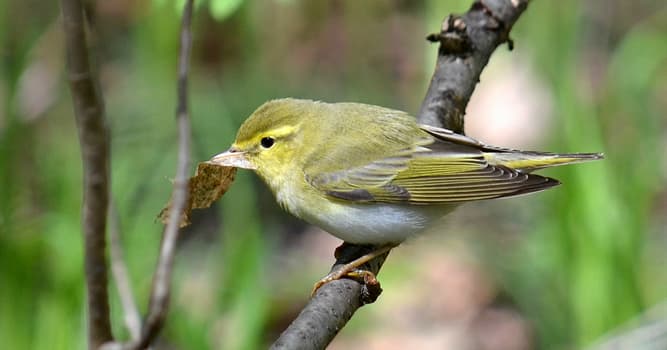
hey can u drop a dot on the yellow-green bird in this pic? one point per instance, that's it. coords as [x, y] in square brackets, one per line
[372, 175]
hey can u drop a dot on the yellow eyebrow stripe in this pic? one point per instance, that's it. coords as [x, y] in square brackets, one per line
[282, 131]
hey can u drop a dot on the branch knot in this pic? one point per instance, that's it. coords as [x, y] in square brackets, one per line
[453, 37]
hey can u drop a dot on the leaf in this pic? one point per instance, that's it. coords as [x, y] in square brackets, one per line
[221, 9]
[210, 182]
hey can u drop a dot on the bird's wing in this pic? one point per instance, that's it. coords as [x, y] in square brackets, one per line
[449, 168]
[354, 184]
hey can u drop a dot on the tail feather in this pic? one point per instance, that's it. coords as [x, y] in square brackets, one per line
[529, 161]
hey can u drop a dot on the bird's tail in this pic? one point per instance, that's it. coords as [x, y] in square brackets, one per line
[529, 161]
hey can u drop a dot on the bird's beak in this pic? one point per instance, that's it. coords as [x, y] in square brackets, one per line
[233, 158]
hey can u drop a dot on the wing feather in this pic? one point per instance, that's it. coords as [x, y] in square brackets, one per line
[446, 168]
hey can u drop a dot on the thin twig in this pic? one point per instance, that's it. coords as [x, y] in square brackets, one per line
[119, 271]
[466, 43]
[159, 302]
[94, 140]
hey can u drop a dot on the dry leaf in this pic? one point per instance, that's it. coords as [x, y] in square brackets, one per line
[210, 182]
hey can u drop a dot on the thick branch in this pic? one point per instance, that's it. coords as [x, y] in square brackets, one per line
[94, 140]
[331, 307]
[466, 43]
[159, 302]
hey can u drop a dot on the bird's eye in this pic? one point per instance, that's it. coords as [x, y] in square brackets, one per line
[267, 142]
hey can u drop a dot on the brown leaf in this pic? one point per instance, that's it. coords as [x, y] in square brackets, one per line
[210, 182]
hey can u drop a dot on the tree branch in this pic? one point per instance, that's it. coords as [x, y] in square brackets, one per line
[159, 302]
[94, 141]
[466, 43]
[119, 271]
[331, 307]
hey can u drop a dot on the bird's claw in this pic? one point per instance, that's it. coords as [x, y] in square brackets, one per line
[365, 277]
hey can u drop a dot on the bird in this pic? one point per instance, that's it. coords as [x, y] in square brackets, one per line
[372, 175]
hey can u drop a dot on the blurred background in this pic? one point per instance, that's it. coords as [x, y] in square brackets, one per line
[583, 265]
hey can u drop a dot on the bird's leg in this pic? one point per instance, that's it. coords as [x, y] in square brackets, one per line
[353, 270]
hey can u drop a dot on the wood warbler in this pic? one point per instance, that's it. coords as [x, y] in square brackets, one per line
[372, 175]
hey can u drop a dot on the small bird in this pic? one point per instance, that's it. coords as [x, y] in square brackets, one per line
[373, 175]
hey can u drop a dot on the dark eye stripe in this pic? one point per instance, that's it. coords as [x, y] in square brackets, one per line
[267, 142]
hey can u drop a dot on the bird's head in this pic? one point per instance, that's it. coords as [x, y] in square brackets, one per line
[271, 140]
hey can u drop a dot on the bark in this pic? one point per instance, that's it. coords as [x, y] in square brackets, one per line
[94, 140]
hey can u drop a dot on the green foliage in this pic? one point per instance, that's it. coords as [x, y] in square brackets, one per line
[221, 9]
[594, 241]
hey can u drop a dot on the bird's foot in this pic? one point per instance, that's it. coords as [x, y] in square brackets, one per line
[354, 271]
[365, 277]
